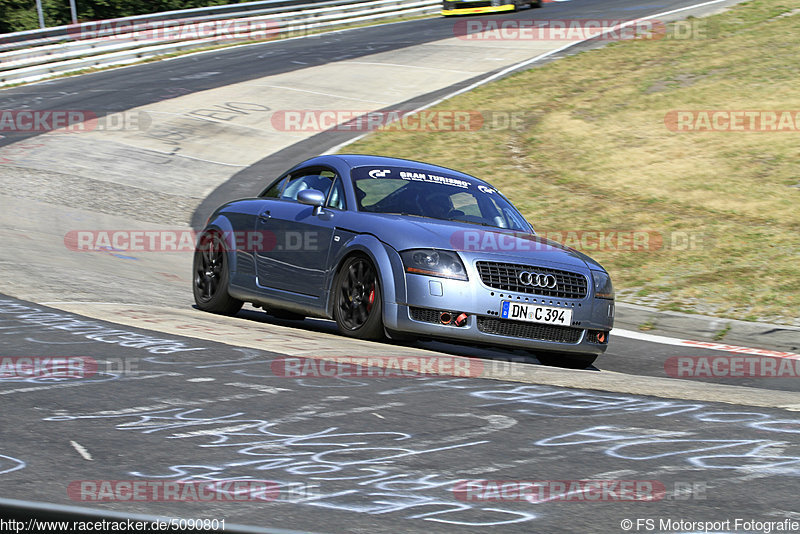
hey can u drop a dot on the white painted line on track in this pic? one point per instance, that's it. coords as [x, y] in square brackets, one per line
[641, 336]
[712, 345]
[81, 450]
[530, 61]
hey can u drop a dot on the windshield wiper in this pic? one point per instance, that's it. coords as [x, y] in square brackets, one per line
[452, 220]
[406, 214]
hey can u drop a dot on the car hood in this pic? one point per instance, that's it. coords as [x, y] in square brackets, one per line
[404, 232]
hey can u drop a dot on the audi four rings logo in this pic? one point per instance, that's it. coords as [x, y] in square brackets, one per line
[547, 281]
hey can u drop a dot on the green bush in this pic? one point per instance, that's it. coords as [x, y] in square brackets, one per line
[19, 15]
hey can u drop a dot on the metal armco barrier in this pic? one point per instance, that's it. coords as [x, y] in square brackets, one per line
[37, 54]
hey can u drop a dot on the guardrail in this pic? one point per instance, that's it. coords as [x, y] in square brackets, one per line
[233, 10]
[37, 54]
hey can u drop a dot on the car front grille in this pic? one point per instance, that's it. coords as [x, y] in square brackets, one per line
[425, 315]
[505, 276]
[541, 332]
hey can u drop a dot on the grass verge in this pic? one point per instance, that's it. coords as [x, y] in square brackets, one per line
[594, 153]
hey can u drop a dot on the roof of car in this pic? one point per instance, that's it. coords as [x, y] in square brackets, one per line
[362, 160]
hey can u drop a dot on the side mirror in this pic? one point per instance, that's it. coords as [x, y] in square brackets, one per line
[312, 197]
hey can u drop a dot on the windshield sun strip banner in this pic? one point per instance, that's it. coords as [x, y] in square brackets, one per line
[414, 175]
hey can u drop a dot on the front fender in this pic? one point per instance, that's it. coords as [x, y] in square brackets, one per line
[390, 271]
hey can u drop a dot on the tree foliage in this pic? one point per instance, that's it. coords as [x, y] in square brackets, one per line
[18, 15]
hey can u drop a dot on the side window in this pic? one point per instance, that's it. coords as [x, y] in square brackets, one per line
[467, 204]
[336, 198]
[274, 191]
[319, 180]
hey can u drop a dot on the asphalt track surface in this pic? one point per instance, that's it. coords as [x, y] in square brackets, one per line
[369, 453]
[373, 451]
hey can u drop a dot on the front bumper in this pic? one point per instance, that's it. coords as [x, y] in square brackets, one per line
[427, 297]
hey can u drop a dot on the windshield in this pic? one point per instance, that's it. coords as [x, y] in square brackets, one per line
[407, 191]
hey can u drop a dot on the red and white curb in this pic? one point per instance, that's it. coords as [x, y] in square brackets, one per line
[711, 345]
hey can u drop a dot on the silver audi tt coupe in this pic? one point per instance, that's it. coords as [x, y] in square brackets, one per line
[394, 247]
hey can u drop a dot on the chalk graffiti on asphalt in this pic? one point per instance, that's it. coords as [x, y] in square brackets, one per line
[17, 318]
[365, 459]
[363, 470]
[9, 464]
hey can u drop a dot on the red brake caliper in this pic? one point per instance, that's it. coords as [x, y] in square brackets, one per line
[371, 298]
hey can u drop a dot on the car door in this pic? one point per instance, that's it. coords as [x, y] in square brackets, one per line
[297, 263]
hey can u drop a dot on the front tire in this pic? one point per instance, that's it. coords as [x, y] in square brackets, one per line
[211, 275]
[357, 299]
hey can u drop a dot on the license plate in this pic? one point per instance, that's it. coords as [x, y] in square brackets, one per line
[535, 314]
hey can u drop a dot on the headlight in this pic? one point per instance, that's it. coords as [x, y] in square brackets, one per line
[434, 263]
[602, 285]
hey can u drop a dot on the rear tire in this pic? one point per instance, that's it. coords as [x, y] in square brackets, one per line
[211, 276]
[568, 361]
[357, 299]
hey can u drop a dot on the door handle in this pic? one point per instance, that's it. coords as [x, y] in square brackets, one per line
[264, 215]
